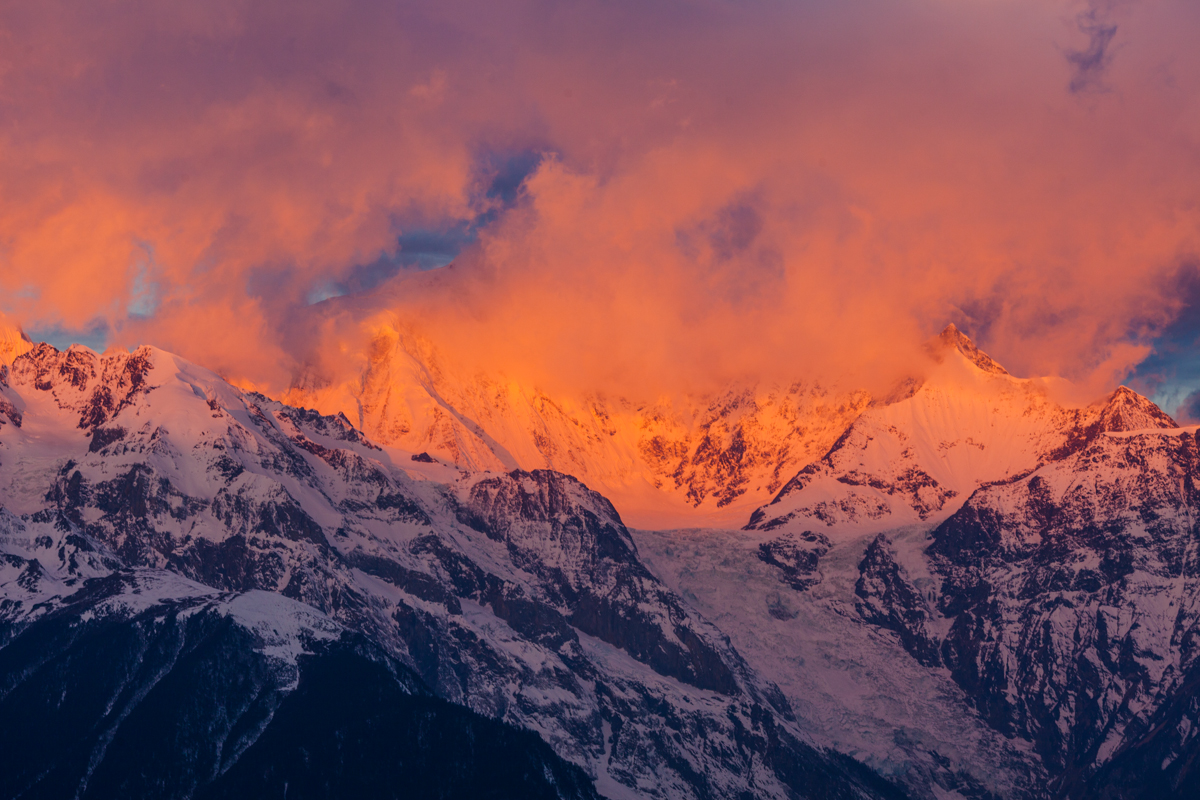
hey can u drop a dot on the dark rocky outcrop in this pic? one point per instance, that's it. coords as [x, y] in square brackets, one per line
[797, 556]
[573, 539]
[887, 599]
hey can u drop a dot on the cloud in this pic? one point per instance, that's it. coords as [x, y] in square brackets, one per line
[657, 196]
[1090, 63]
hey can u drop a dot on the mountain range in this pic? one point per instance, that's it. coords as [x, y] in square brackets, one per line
[422, 582]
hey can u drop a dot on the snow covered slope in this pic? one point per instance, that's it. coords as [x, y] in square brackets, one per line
[851, 681]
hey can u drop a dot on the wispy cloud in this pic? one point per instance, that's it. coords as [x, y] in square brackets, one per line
[1089, 64]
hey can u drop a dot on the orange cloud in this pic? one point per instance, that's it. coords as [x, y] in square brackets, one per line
[729, 190]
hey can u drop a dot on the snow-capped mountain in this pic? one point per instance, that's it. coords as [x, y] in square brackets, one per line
[979, 586]
[147, 499]
[967, 587]
[917, 459]
[676, 461]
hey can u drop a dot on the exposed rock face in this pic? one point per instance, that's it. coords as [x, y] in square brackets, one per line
[797, 556]
[80, 381]
[889, 600]
[1074, 597]
[519, 596]
[573, 539]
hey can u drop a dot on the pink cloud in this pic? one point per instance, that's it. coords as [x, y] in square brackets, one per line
[731, 189]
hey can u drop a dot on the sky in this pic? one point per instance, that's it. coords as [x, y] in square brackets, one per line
[611, 196]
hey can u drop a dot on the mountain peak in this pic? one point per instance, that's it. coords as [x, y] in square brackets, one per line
[13, 341]
[952, 338]
[1126, 410]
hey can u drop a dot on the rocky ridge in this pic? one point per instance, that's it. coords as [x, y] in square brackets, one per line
[1068, 610]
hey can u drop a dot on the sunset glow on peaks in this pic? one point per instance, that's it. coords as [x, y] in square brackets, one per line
[600, 399]
[637, 199]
